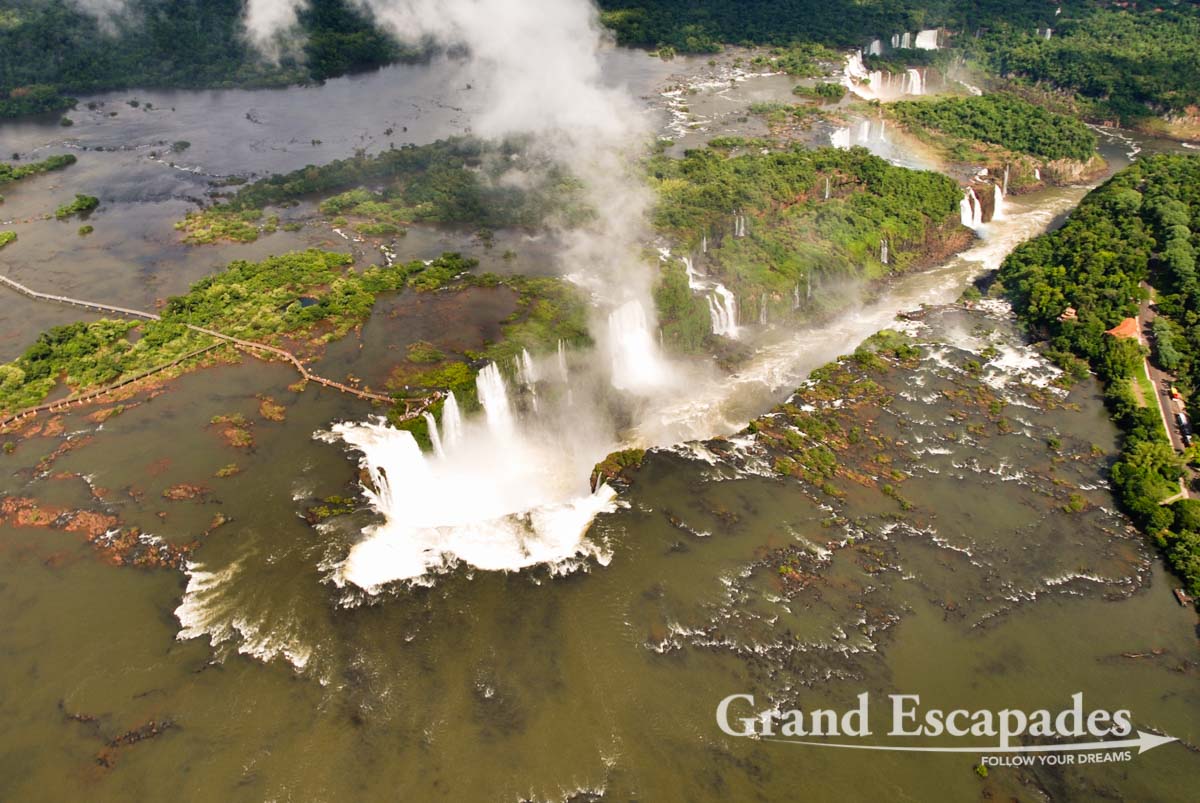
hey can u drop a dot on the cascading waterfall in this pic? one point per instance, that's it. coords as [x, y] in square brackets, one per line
[526, 371]
[914, 83]
[704, 244]
[883, 251]
[435, 439]
[637, 362]
[762, 311]
[1005, 189]
[722, 308]
[926, 40]
[827, 188]
[563, 374]
[875, 48]
[451, 422]
[493, 395]
[970, 211]
[796, 297]
[493, 495]
[998, 201]
[527, 375]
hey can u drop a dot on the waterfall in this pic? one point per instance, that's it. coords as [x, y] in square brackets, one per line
[808, 282]
[637, 362]
[998, 208]
[882, 130]
[796, 297]
[493, 395]
[434, 437]
[1037, 173]
[704, 244]
[875, 48]
[827, 188]
[914, 83]
[563, 374]
[739, 225]
[762, 311]
[883, 251]
[526, 371]
[895, 41]
[1005, 189]
[722, 307]
[970, 211]
[906, 41]
[451, 421]
[840, 139]
[927, 40]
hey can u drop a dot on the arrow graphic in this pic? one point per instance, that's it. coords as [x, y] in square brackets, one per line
[1144, 741]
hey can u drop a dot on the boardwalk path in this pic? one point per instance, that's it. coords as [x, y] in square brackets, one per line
[413, 407]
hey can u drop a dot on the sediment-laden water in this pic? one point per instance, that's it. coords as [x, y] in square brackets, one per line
[266, 672]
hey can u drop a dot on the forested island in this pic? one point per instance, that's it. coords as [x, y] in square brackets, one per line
[1139, 229]
[775, 226]
[454, 181]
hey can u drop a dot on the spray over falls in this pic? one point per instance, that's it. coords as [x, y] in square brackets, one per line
[498, 492]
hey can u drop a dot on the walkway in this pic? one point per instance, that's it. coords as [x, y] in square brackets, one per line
[412, 407]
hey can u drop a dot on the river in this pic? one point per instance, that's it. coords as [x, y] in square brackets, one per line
[266, 678]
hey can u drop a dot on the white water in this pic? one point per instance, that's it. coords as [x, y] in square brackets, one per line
[998, 196]
[970, 211]
[508, 493]
[725, 407]
[927, 40]
[638, 365]
[501, 497]
[880, 85]
[722, 304]
[451, 421]
[493, 395]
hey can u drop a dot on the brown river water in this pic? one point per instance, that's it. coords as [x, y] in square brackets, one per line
[255, 676]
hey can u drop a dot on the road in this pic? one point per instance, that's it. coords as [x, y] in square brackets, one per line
[1162, 382]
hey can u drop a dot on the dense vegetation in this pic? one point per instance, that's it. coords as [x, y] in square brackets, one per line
[1003, 120]
[1125, 62]
[16, 172]
[303, 298]
[702, 27]
[51, 47]
[457, 181]
[1142, 226]
[794, 236]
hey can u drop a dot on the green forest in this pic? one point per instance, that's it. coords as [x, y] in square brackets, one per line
[793, 235]
[1141, 226]
[1130, 62]
[1002, 120]
[50, 49]
[454, 181]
